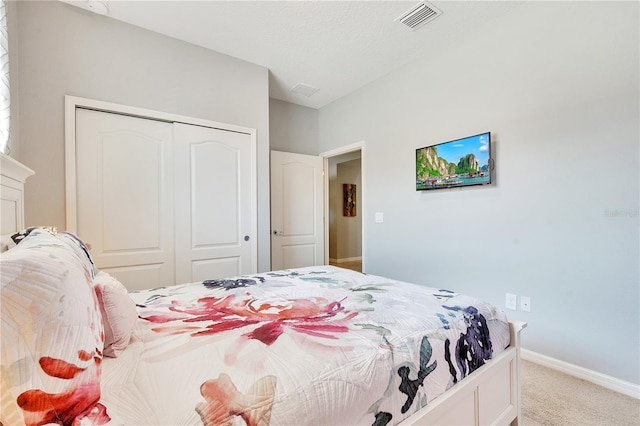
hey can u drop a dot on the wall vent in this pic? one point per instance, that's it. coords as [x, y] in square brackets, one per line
[419, 15]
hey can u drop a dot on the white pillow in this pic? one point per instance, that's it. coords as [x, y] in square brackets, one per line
[119, 313]
[6, 243]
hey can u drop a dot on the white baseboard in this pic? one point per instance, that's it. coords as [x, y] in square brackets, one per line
[617, 385]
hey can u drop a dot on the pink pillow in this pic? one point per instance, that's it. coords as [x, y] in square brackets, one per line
[119, 313]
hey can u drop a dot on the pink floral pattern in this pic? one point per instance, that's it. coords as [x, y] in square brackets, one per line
[70, 406]
[223, 402]
[211, 315]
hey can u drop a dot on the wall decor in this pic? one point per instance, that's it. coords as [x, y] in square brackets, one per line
[457, 163]
[349, 206]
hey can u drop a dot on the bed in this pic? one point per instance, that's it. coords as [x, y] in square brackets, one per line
[318, 345]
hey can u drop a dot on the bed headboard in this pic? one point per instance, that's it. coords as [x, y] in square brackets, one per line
[12, 178]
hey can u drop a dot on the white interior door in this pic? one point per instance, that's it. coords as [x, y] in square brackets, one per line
[215, 204]
[297, 232]
[124, 200]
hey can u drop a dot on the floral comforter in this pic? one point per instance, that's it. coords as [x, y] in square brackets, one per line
[318, 345]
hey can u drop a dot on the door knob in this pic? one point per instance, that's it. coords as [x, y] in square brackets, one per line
[246, 238]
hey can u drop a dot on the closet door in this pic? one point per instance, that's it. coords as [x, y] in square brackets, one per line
[214, 204]
[124, 168]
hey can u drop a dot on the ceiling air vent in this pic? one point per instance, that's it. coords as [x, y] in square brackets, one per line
[304, 89]
[419, 15]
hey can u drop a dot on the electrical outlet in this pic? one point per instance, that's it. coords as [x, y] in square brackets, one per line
[525, 303]
[511, 301]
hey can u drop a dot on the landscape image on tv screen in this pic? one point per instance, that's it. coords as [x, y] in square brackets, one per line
[462, 162]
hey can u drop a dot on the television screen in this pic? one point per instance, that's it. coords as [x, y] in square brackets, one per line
[458, 163]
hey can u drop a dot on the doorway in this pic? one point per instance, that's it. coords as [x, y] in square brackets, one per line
[344, 183]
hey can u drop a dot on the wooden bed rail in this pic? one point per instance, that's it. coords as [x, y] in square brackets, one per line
[515, 328]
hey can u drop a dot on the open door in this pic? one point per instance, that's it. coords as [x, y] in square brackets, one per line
[345, 227]
[345, 153]
[297, 231]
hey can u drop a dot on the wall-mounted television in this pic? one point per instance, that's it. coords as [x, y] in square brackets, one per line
[454, 164]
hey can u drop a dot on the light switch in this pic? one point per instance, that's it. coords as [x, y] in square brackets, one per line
[511, 301]
[379, 217]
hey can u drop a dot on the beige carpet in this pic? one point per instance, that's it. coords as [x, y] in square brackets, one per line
[550, 397]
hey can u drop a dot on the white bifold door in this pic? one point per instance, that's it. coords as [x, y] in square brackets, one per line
[162, 203]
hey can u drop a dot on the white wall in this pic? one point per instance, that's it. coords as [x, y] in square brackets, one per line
[557, 84]
[65, 50]
[293, 128]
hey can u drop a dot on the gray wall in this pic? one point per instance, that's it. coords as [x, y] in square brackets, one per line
[557, 83]
[293, 128]
[65, 50]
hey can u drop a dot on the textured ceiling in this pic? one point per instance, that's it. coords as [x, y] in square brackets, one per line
[335, 46]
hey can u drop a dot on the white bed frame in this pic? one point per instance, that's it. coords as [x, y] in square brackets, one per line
[488, 396]
[12, 178]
